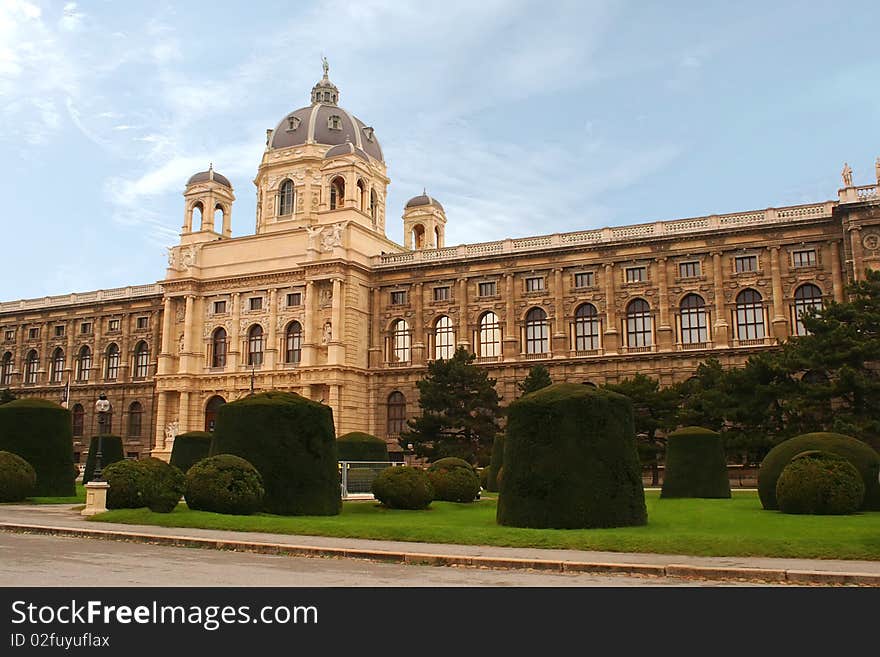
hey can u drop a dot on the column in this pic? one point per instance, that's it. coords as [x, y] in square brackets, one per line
[125, 356]
[665, 332]
[311, 337]
[779, 322]
[155, 343]
[510, 340]
[836, 272]
[464, 340]
[558, 340]
[161, 421]
[69, 328]
[335, 403]
[183, 412]
[272, 332]
[855, 236]
[418, 347]
[45, 356]
[721, 335]
[165, 355]
[611, 337]
[98, 355]
[336, 344]
[185, 363]
[375, 349]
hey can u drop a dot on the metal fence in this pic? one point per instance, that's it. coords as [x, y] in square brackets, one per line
[356, 477]
[741, 476]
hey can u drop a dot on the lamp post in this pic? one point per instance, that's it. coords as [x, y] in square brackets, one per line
[102, 407]
[96, 489]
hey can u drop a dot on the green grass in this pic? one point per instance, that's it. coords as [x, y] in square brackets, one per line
[733, 527]
[79, 498]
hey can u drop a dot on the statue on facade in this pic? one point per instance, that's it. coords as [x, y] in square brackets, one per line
[314, 232]
[847, 175]
[171, 431]
[328, 333]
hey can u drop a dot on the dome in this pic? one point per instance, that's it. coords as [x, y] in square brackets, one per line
[210, 174]
[346, 149]
[423, 199]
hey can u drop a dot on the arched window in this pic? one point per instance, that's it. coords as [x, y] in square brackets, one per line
[135, 419]
[396, 413]
[586, 328]
[141, 360]
[6, 369]
[57, 369]
[112, 362]
[362, 195]
[638, 324]
[211, 410]
[218, 348]
[694, 323]
[489, 336]
[255, 345]
[537, 332]
[218, 216]
[444, 338]
[196, 216]
[807, 297]
[337, 193]
[400, 342]
[285, 198]
[418, 235]
[79, 415]
[31, 366]
[749, 315]
[83, 363]
[438, 241]
[293, 343]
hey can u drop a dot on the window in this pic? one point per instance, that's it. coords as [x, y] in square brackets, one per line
[489, 335]
[255, 303]
[83, 363]
[398, 298]
[6, 369]
[805, 258]
[749, 315]
[586, 328]
[135, 419]
[337, 193]
[745, 264]
[33, 333]
[142, 323]
[31, 366]
[441, 294]
[294, 299]
[488, 289]
[293, 122]
[141, 360]
[688, 269]
[113, 325]
[537, 332]
[255, 345]
[218, 348]
[57, 369]
[334, 121]
[112, 362]
[79, 415]
[400, 344]
[638, 324]
[59, 331]
[636, 274]
[396, 413]
[584, 279]
[219, 307]
[85, 328]
[293, 343]
[285, 198]
[132, 456]
[534, 284]
[807, 297]
[10, 336]
[694, 323]
[444, 338]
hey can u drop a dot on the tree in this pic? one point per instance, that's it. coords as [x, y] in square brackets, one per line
[6, 396]
[460, 411]
[538, 378]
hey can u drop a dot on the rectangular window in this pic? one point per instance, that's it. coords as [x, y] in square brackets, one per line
[219, 307]
[489, 289]
[143, 322]
[10, 336]
[804, 258]
[113, 325]
[441, 294]
[33, 333]
[85, 327]
[256, 303]
[688, 269]
[636, 274]
[59, 331]
[584, 279]
[294, 299]
[398, 298]
[131, 456]
[746, 264]
[535, 284]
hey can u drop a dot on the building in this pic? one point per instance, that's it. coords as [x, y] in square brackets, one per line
[320, 302]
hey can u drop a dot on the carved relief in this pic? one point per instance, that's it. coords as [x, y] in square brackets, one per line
[332, 237]
[871, 241]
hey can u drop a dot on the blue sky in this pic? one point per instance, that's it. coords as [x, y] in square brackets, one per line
[521, 117]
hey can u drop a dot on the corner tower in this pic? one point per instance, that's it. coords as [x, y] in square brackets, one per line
[208, 201]
[424, 223]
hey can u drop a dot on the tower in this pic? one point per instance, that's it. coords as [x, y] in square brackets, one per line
[424, 223]
[208, 200]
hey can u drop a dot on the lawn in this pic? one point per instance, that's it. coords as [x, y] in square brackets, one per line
[79, 498]
[734, 527]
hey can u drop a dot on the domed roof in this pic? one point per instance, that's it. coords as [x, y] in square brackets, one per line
[423, 199]
[210, 174]
[346, 149]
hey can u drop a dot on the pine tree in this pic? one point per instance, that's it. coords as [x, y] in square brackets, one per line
[537, 378]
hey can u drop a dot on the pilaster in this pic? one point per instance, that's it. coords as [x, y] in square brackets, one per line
[721, 337]
[665, 332]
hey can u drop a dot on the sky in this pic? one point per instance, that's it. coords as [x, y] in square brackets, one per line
[522, 117]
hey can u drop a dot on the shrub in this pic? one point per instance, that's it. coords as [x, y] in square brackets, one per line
[224, 484]
[39, 431]
[570, 461]
[149, 482]
[696, 465]
[861, 455]
[126, 485]
[819, 483]
[17, 478]
[189, 448]
[111, 452]
[290, 440]
[359, 446]
[495, 463]
[403, 487]
[454, 480]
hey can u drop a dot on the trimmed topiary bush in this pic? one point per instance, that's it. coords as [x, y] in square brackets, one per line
[163, 484]
[111, 452]
[820, 483]
[403, 487]
[454, 480]
[126, 479]
[291, 442]
[570, 461]
[495, 463]
[17, 478]
[696, 465]
[39, 431]
[359, 446]
[189, 448]
[861, 455]
[224, 484]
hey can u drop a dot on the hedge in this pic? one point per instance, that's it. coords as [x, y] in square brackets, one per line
[290, 440]
[861, 455]
[17, 478]
[570, 461]
[189, 448]
[696, 465]
[403, 487]
[819, 483]
[454, 480]
[495, 463]
[224, 484]
[39, 431]
[111, 452]
[126, 485]
[359, 446]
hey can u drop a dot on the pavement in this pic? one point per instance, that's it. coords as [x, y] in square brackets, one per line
[64, 520]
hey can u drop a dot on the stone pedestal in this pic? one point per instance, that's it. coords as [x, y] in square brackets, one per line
[96, 497]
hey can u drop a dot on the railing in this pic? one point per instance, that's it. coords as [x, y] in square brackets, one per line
[356, 477]
[860, 194]
[544, 355]
[753, 342]
[488, 359]
[740, 476]
[129, 292]
[398, 363]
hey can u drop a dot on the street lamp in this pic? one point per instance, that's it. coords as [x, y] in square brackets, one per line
[102, 407]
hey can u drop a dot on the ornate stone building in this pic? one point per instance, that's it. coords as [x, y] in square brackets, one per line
[320, 302]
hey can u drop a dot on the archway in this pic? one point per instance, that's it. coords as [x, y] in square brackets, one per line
[211, 409]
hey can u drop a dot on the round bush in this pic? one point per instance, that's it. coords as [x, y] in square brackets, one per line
[189, 448]
[163, 483]
[495, 463]
[454, 480]
[290, 440]
[126, 480]
[17, 478]
[224, 484]
[359, 446]
[819, 483]
[861, 455]
[696, 465]
[403, 487]
[39, 431]
[111, 452]
[570, 461]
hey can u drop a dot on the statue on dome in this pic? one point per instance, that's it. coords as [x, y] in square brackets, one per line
[877, 169]
[847, 175]
[325, 66]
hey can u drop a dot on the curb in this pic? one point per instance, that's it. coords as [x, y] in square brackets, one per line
[726, 573]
